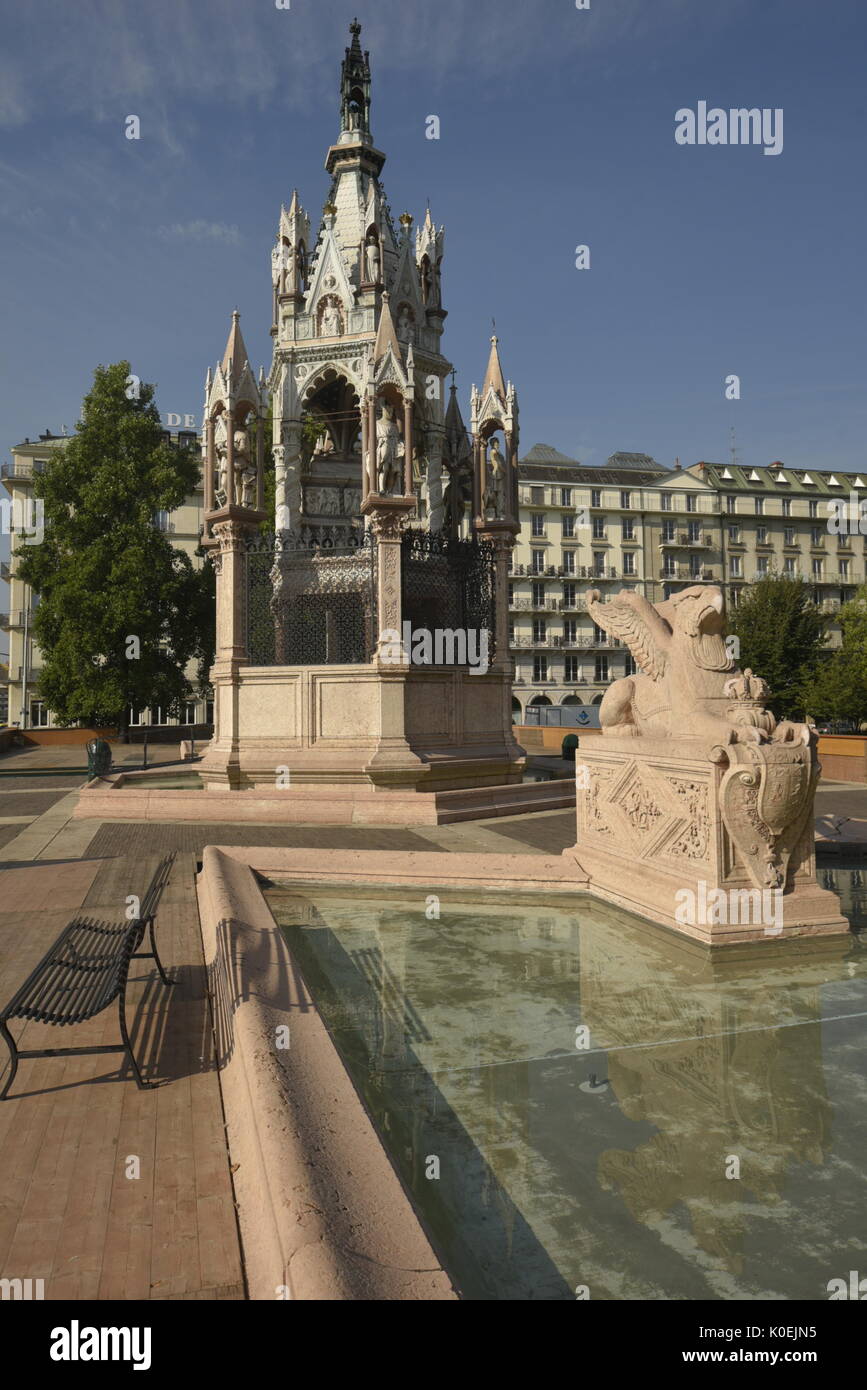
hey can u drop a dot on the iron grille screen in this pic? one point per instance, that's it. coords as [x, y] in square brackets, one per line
[311, 598]
[447, 583]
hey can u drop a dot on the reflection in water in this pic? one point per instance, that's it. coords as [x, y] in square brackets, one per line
[847, 877]
[609, 1164]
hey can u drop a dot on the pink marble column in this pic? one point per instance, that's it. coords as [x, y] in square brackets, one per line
[260, 465]
[365, 481]
[230, 456]
[209, 466]
[371, 442]
[407, 449]
[478, 482]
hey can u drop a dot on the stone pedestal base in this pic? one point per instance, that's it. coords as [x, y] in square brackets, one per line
[675, 837]
[427, 729]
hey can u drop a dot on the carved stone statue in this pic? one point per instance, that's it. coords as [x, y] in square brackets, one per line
[404, 323]
[245, 470]
[495, 501]
[372, 259]
[696, 808]
[220, 450]
[278, 265]
[389, 451]
[436, 288]
[331, 323]
[688, 675]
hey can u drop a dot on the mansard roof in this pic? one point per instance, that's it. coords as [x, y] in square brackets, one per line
[777, 478]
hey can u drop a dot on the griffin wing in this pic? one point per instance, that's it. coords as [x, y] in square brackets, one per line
[637, 623]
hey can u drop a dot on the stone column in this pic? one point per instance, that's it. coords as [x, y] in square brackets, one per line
[287, 464]
[260, 464]
[512, 456]
[230, 457]
[209, 467]
[478, 478]
[436, 518]
[365, 482]
[371, 443]
[231, 639]
[394, 764]
[407, 449]
[502, 536]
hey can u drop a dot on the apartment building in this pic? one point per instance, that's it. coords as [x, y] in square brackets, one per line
[26, 707]
[776, 520]
[632, 524]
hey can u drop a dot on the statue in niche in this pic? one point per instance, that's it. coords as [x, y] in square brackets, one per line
[372, 258]
[419, 463]
[245, 470]
[278, 265]
[389, 451]
[436, 289]
[426, 280]
[331, 324]
[299, 270]
[220, 451]
[495, 501]
[404, 323]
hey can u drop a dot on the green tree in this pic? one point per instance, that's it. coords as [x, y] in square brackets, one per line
[781, 634]
[837, 687]
[121, 612]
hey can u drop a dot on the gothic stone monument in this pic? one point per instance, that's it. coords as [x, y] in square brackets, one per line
[389, 518]
[695, 808]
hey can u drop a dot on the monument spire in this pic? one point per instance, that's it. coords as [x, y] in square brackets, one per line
[494, 374]
[355, 89]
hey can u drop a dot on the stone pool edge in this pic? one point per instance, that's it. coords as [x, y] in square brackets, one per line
[321, 1210]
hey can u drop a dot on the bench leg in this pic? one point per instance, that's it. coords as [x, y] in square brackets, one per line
[13, 1057]
[163, 976]
[142, 1085]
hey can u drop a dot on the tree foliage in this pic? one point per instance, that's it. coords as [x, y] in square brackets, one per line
[837, 687]
[105, 574]
[781, 634]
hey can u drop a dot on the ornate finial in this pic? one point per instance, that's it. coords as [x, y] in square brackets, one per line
[235, 316]
[406, 219]
[355, 28]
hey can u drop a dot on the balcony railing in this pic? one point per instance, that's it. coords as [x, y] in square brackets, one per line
[22, 470]
[681, 573]
[13, 619]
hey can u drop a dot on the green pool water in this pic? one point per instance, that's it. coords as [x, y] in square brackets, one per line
[541, 1168]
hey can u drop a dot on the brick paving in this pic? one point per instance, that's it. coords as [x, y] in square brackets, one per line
[30, 803]
[70, 1214]
[134, 838]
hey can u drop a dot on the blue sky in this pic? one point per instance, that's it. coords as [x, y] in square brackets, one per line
[557, 128]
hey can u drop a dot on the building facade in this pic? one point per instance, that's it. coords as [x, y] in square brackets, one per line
[635, 524]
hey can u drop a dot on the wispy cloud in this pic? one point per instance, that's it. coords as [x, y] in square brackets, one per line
[103, 55]
[200, 230]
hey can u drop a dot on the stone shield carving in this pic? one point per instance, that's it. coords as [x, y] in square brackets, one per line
[765, 798]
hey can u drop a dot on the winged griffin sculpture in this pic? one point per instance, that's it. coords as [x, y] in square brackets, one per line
[689, 686]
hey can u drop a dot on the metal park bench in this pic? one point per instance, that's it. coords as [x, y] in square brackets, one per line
[84, 971]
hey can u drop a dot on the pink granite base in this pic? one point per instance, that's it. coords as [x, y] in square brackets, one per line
[321, 1211]
[126, 796]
